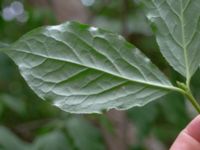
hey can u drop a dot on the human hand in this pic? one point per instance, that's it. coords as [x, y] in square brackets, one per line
[189, 138]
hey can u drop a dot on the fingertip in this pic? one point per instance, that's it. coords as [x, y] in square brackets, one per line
[193, 129]
[189, 138]
[185, 142]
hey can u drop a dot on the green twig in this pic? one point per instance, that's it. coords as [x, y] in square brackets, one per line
[193, 101]
[187, 92]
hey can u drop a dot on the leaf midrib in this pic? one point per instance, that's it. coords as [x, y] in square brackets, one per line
[184, 43]
[171, 88]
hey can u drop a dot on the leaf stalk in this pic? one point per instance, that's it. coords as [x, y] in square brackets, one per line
[193, 101]
[189, 95]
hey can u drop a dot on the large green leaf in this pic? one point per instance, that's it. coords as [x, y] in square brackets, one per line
[178, 35]
[84, 69]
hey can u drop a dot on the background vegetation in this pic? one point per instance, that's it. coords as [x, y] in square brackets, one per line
[27, 122]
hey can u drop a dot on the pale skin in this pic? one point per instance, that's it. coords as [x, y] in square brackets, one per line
[189, 138]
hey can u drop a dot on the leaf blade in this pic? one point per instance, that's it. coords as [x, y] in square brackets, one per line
[85, 69]
[177, 32]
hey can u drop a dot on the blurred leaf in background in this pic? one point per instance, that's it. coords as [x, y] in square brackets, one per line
[8, 141]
